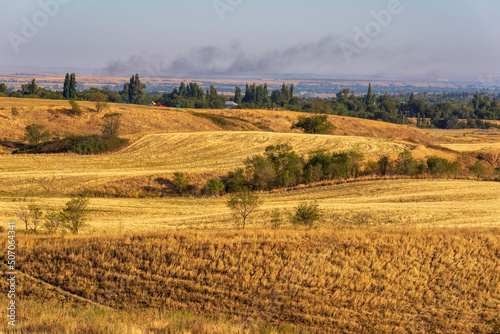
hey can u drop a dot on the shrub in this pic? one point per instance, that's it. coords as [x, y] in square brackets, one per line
[35, 215]
[77, 144]
[384, 165]
[306, 214]
[236, 181]
[52, 221]
[407, 165]
[318, 124]
[276, 216]
[75, 108]
[478, 169]
[111, 126]
[243, 204]
[100, 100]
[14, 112]
[73, 216]
[440, 166]
[214, 187]
[35, 134]
[181, 182]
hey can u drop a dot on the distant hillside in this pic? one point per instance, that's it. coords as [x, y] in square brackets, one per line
[56, 116]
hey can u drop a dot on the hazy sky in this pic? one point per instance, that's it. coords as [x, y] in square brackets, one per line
[420, 38]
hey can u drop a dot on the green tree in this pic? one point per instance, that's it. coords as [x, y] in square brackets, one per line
[75, 108]
[181, 182]
[66, 92]
[111, 126]
[30, 88]
[318, 124]
[384, 165]
[243, 204]
[72, 86]
[214, 187]
[35, 134]
[306, 214]
[237, 95]
[370, 97]
[74, 215]
[52, 221]
[3, 88]
[100, 100]
[136, 90]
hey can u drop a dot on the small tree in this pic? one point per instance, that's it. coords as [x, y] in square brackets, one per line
[478, 169]
[75, 107]
[276, 216]
[73, 216]
[52, 221]
[243, 204]
[384, 165]
[318, 124]
[36, 216]
[23, 214]
[214, 187]
[181, 182]
[35, 134]
[111, 124]
[100, 100]
[306, 214]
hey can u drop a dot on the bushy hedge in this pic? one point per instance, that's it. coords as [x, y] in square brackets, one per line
[89, 144]
[281, 167]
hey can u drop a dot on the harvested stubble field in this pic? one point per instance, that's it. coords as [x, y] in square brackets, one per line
[401, 203]
[367, 280]
[397, 255]
[200, 152]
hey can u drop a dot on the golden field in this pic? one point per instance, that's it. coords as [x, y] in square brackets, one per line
[401, 203]
[391, 254]
[329, 280]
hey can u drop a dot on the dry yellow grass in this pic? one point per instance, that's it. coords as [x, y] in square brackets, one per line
[328, 280]
[400, 203]
[470, 147]
[57, 118]
[163, 153]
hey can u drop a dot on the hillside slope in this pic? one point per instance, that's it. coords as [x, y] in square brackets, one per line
[56, 117]
[156, 154]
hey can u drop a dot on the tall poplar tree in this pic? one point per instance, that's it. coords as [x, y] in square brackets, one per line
[66, 93]
[237, 95]
[72, 86]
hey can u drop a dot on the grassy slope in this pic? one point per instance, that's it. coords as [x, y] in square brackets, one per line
[327, 280]
[56, 116]
[416, 203]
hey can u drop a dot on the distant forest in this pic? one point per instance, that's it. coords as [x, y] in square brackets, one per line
[444, 111]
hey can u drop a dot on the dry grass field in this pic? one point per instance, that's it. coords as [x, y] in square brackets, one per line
[391, 203]
[394, 255]
[153, 155]
[365, 280]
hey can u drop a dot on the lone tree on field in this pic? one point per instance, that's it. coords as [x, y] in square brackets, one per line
[318, 124]
[306, 214]
[73, 216]
[243, 204]
[100, 100]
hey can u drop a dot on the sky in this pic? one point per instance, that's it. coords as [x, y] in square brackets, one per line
[384, 39]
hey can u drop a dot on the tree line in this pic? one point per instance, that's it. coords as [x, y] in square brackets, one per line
[444, 111]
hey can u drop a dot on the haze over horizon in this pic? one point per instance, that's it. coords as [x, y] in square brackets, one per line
[398, 39]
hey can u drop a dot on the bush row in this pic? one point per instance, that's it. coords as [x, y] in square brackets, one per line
[88, 144]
